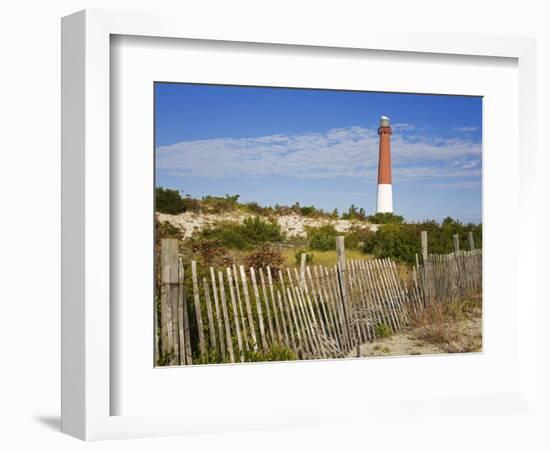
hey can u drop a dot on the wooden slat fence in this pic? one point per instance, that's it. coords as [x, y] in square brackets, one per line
[447, 277]
[231, 313]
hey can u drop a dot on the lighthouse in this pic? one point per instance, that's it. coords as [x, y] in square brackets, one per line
[384, 202]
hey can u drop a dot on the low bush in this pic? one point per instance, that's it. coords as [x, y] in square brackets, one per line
[354, 213]
[165, 358]
[306, 211]
[211, 252]
[259, 231]
[382, 331]
[402, 241]
[309, 211]
[265, 256]
[321, 238]
[394, 241]
[274, 353]
[227, 234]
[448, 325]
[210, 357]
[256, 208]
[324, 238]
[166, 230]
[216, 205]
[248, 235]
[382, 218]
[356, 237]
[168, 201]
[298, 257]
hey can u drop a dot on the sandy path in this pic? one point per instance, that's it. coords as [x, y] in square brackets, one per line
[466, 337]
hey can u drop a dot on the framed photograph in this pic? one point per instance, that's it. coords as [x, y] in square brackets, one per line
[252, 218]
[294, 243]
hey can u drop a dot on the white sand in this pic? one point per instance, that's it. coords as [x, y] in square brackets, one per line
[467, 337]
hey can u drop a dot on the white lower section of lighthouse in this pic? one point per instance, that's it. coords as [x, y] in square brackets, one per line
[384, 202]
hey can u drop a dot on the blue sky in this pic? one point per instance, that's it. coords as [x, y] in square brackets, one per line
[320, 147]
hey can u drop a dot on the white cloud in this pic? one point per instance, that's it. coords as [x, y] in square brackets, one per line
[456, 185]
[465, 129]
[403, 126]
[347, 152]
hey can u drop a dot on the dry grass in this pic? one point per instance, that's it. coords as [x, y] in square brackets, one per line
[455, 327]
[327, 258]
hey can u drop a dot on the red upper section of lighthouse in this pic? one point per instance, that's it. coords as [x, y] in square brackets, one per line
[384, 155]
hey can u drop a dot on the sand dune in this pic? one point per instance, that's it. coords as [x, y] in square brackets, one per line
[293, 225]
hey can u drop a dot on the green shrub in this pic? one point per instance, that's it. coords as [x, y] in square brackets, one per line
[321, 238]
[265, 256]
[210, 357]
[402, 241]
[274, 353]
[324, 238]
[355, 237]
[308, 211]
[259, 231]
[394, 241]
[216, 205]
[382, 331]
[166, 230]
[354, 213]
[383, 218]
[256, 208]
[298, 257]
[169, 201]
[165, 358]
[251, 233]
[227, 234]
[211, 252]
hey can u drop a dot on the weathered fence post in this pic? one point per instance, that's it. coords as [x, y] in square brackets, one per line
[169, 340]
[183, 318]
[456, 244]
[303, 260]
[424, 242]
[471, 239]
[198, 312]
[342, 282]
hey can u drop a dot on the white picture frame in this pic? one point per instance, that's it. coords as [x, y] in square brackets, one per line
[87, 385]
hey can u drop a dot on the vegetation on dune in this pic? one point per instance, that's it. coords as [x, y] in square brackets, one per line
[355, 237]
[262, 234]
[211, 253]
[439, 324]
[323, 238]
[382, 330]
[402, 241]
[166, 230]
[170, 201]
[275, 353]
[265, 256]
[298, 256]
[383, 218]
[328, 258]
[252, 232]
[354, 213]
